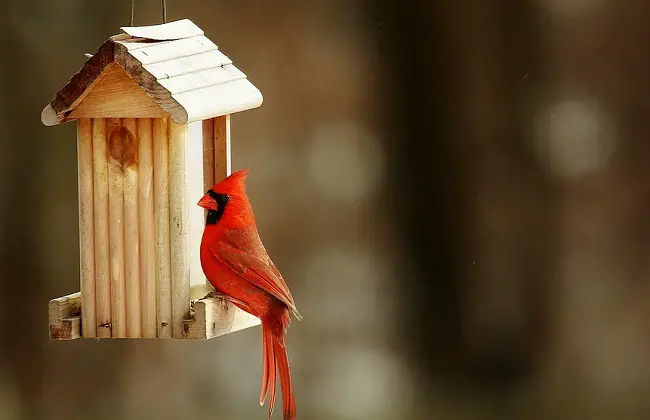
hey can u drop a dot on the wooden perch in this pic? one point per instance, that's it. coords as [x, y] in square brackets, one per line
[65, 317]
[210, 318]
[213, 317]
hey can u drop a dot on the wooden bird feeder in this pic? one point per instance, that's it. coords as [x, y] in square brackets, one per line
[140, 102]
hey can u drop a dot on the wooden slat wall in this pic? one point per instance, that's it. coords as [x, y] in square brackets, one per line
[113, 293]
[102, 252]
[116, 227]
[134, 209]
[194, 167]
[162, 237]
[86, 226]
[147, 228]
[129, 160]
[178, 232]
[222, 158]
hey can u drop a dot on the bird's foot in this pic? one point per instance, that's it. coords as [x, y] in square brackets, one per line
[225, 299]
[215, 295]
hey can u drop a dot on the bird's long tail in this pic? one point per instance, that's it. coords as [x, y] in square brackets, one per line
[275, 357]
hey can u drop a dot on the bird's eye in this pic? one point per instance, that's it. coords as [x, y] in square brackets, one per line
[225, 198]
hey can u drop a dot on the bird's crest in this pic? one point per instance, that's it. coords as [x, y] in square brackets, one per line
[235, 183]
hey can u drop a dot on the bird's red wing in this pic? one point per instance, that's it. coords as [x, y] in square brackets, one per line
[252, 263]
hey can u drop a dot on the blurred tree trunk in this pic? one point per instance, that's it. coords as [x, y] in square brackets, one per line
[475, 208]
[601, 331]
[520, 146]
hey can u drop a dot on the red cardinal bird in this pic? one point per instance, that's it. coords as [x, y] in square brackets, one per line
[236, 263]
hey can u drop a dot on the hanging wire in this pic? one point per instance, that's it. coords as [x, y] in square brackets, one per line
[164, 11]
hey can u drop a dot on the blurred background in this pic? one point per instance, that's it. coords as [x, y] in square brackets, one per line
[457, 193]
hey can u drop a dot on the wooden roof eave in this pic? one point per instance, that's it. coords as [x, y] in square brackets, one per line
[201, 105]
[58, 110]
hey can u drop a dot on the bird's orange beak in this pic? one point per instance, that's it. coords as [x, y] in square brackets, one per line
[206, 202]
